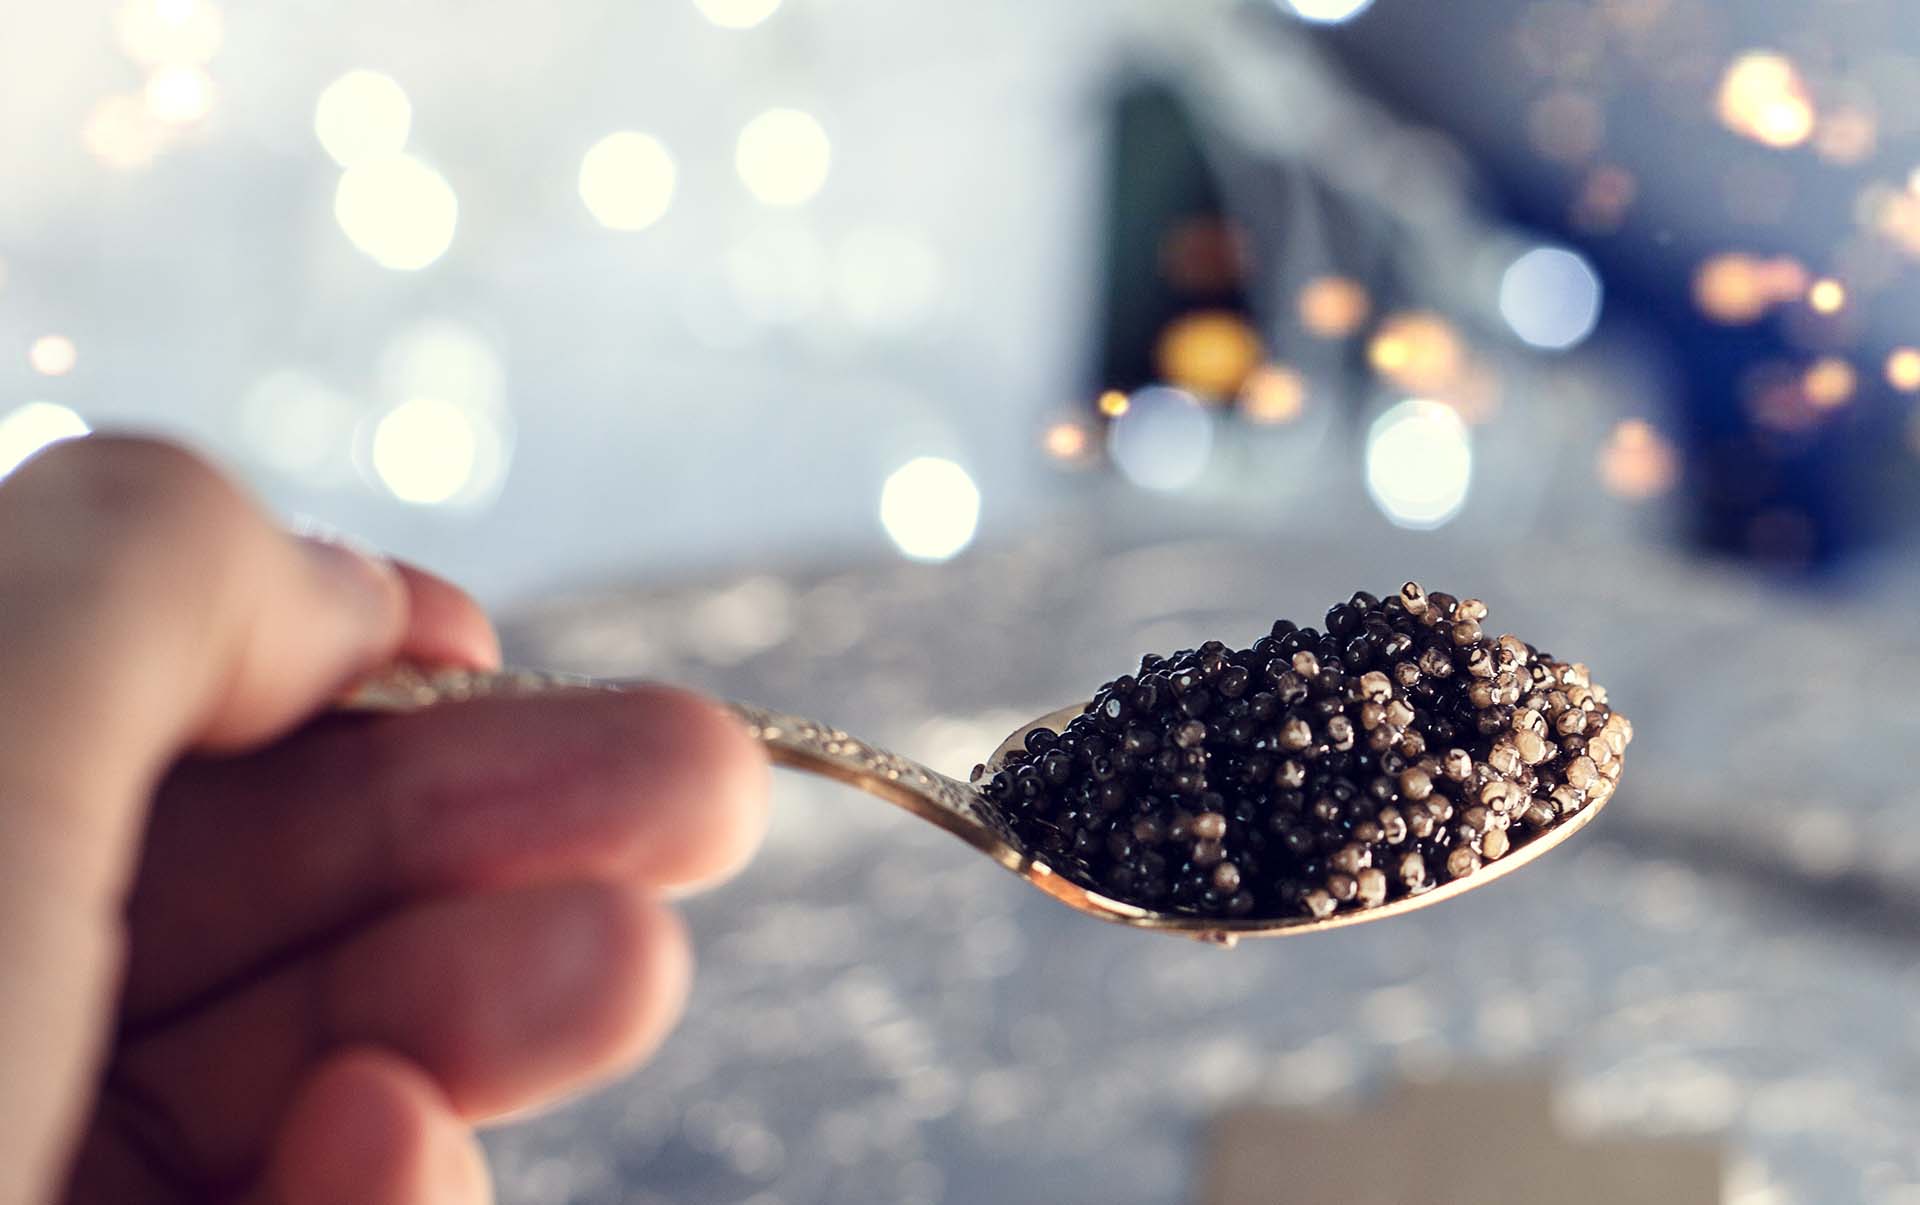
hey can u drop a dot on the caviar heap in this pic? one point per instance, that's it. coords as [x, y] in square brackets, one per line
[1316, 772]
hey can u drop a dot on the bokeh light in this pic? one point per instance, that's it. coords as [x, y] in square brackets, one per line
[930, 508]
[783, 157]
[1846, 136]
[1418, 351]
[626, 180]
[180, 95]
[1903, 369]
[1893, 213]
[1727, 288]
[32, 427]
[53, 355]
[1637, 462]
[1605, 196]
[398, 210]
[1067, 441]
[1735, 288]
[1333, 307]
[1113, 403]
[1829, 382]
[1326, 12]
[362, 115]
[1783, 278]
[1209, 352]
[1419, 464]
[1164, 441]
[1775, 397]
[1203, 255]
[1273, 395]
[737, 14]
[121, 133]
[1827, 296]
[426, 451]
[170, 32]
[1550, 297]
[446, 438]
[1762, 97]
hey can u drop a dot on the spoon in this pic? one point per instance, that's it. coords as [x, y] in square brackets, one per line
[958, 807]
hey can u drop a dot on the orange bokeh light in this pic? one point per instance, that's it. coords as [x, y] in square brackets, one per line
[1334, 307]
[1273, 395]
[1903, 370]
[1637, 462]
[1208, 352]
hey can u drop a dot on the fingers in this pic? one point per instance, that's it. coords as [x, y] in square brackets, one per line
[146, 605]
[371, 1128]
[250, 857]
[505, 1000]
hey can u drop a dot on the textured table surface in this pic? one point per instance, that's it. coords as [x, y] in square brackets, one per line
[883, 1016]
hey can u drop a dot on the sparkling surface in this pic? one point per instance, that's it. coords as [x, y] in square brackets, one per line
[1726, 951]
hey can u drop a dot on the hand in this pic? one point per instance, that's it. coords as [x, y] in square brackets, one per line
[249, 955]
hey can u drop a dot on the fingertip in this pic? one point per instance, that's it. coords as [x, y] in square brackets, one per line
[647, 976]
[706, 765]
[370, 1126]
[446, 627]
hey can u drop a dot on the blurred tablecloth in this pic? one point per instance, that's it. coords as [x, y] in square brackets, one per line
[882, 1016]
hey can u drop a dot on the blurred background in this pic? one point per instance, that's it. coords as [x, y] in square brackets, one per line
[918, 366]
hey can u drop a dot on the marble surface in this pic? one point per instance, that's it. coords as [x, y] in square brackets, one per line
[882, 1016]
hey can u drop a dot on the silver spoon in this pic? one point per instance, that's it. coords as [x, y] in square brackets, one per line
[959, 808]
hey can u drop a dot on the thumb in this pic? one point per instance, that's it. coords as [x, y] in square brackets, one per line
[147, 607]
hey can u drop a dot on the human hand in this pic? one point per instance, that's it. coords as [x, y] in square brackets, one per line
[248, 955]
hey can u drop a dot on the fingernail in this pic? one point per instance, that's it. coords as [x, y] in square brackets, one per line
[319, 531]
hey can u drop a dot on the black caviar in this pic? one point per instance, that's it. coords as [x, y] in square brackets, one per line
[1317, 771]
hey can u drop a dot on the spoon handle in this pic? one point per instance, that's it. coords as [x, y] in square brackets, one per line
[792, 741]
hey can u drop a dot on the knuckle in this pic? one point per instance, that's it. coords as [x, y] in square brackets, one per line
[135, 496]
